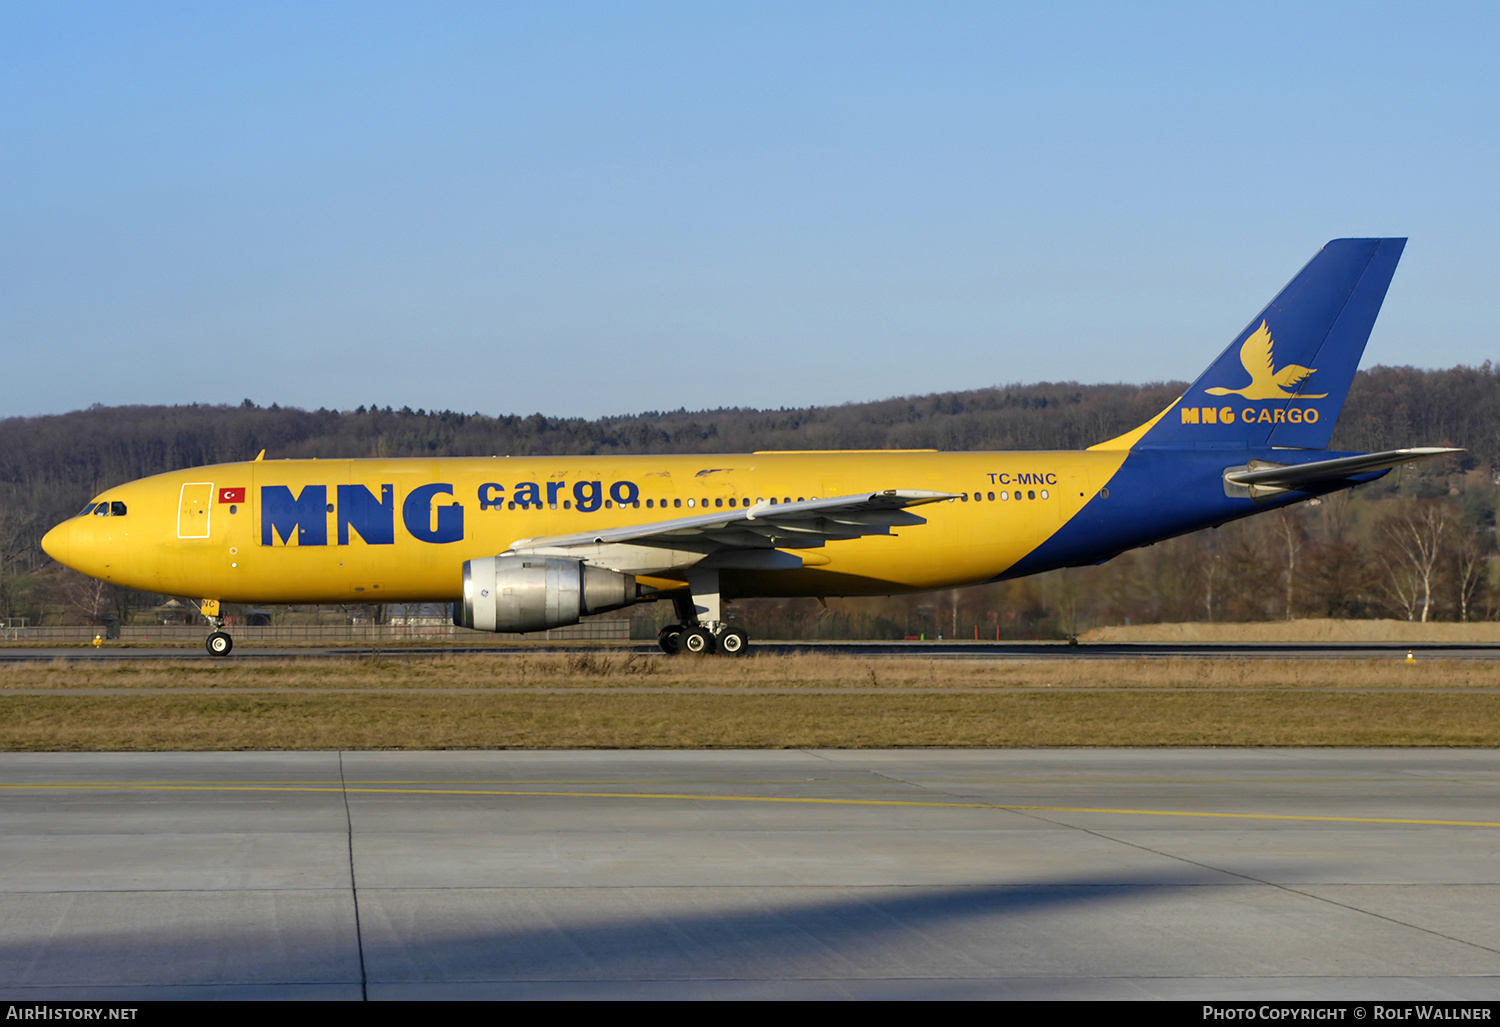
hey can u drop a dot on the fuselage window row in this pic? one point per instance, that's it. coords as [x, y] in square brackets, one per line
[652, 504]
[117, 509]
[1005, 497]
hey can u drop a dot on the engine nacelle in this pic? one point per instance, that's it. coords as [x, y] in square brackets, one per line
[513, 592]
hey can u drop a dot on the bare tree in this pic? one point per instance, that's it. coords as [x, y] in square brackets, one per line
[1065, 592]
[1338, 577]
[1414, 541]
[1211, 570]
[1253, 579]
[15, 529]
[91, 598]
[1288, 531]
[1470, 562]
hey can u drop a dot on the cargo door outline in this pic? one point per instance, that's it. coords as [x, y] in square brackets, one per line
[195, 509]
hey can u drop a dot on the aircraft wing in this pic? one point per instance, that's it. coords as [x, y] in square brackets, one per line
[803, 524]
[1260, 475]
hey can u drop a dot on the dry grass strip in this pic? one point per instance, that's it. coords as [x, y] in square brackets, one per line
[593, 669]
[818, 701]
[330, 720]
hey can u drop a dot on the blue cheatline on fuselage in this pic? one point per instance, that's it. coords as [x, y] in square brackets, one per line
[1159, 494]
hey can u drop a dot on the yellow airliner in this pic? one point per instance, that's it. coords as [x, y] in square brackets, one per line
[523, 544]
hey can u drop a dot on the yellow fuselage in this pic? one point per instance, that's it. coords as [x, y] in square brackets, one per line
[208, 532]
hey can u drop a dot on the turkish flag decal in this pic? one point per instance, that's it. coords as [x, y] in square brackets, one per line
[232, 495]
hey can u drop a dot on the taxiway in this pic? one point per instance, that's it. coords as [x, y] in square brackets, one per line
[1316, 874]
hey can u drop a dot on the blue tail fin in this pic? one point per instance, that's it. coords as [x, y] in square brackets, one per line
[1283, 380]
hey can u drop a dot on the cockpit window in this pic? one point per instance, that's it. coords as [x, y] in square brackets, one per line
[102, 510]
[117, 509]
[86, 510]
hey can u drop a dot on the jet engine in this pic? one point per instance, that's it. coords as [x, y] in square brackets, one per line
[514, 592]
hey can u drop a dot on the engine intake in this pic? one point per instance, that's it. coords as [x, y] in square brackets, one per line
[513, 592]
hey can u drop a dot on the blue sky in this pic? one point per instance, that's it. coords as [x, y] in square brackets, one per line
[587, 209]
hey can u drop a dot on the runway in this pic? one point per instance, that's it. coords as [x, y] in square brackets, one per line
[922, 650]
[1177, 874]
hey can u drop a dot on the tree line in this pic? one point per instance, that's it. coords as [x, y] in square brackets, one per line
[1332, 559]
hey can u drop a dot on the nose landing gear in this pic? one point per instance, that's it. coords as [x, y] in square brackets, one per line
[218, 643]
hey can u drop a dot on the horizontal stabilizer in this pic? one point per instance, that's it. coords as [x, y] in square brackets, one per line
[1263, 478]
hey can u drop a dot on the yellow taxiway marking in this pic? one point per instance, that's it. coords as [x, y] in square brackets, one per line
[869, 779]
[784, 799]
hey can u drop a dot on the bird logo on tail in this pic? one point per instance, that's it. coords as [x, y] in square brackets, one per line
[1265, 381]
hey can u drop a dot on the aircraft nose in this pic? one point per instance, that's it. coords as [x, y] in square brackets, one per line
[57, 543]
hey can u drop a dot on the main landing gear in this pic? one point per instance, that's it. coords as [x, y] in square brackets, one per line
[702, 638]
[700, 628]
[218, 643]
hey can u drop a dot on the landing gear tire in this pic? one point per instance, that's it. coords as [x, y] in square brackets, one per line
[733, 643]
[219, 644]
[669, 639]
[697, 641]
